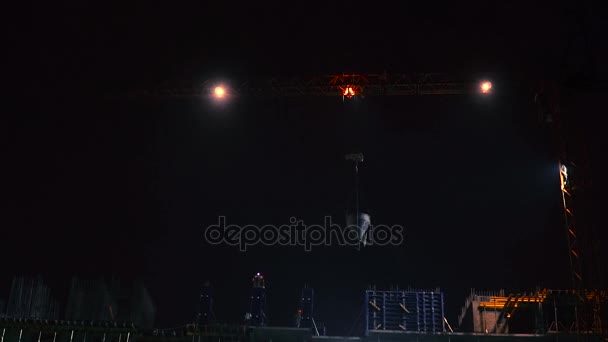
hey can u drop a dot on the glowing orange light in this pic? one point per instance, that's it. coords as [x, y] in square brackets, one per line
[299, 310]
[485, 87]
[219, 92]
[348, 91]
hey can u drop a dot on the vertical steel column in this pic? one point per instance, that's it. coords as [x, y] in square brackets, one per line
[404, 321]
[366, 313]
[375, 322]
[383, 310]
[417, 311]
[571, 236]
[443, 319]
[495, 330]
[424, 309]
[555, 314]
[567, 192]
[433, 310]
[539, 319]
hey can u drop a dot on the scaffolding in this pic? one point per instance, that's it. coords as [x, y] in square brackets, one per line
[404, 310]
[31, 298]
[553, 311]
[257, 313]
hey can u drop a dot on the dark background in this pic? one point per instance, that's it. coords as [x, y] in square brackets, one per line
[125, 188]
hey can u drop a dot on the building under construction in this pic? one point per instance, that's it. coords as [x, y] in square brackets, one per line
[102, 311]
[392, 315]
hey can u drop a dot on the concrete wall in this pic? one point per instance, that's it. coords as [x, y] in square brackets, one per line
[485, 321]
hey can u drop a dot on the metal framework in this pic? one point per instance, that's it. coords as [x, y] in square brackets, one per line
[587, 310]
[548, 104]
[59, 330]
[258, 301]
[404, 310]
[494, 310]
[570, 224]
[344, 85]
[205, 312]
[306, 308]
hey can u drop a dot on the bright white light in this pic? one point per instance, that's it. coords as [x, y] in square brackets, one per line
[219, 92]
[485, 87]
[563, 175]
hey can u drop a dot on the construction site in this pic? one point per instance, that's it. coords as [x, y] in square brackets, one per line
[107, 311]
[394, 315]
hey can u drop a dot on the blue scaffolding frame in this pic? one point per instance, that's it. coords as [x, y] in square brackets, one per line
[404, 310]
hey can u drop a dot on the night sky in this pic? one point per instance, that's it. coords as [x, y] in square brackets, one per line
[126, 187]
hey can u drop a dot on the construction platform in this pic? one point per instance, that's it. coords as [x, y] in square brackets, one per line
[393, 315]
[86, 331]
